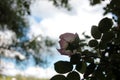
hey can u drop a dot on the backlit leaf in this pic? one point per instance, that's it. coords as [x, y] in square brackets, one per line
[95, 32]
[107, 36]
[73, 76]
[89, 70]
[81, 67]
[63, 67]
[105, 24]
[102, 45]
[58, 77]
[74, 59]
[93, 43]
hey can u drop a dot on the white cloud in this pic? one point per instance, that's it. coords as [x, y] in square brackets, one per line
[40, 72]
[11, 54]
[43, 9]
[57, 21]
[8, 68]
[7, 37]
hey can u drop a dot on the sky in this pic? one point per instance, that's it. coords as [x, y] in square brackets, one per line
[38, 72]
[50, 21]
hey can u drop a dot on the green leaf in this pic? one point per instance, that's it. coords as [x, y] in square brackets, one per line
[87, 36]
[105, 24]
[93, 43]
[115, 58]
[63, 67]
[73, 76]
[58, 77]
[93, 78]
[102, 45]
[88, 53]
[89, 70]
[117, 37]
[74, 59]
[95, 32]
[99, 75]
[107, 36]
[94, 2]
[81, 67]
[89, 59]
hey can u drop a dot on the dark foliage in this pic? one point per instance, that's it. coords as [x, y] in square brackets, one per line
[104, 47]
[14, 17]
[13, 13]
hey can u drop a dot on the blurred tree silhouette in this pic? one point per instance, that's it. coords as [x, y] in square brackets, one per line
[13, 13]
[14, 26]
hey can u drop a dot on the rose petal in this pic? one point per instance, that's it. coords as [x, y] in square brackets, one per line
[65, 52]
[69, 37]
[63, 44]
[65, 39]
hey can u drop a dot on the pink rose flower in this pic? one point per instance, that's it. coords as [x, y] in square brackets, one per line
[69, 37]
[65, 39]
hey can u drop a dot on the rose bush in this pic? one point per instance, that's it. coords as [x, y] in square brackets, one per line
[67, 40]
[97, 58]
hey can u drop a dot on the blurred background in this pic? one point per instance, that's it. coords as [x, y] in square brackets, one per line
[30, 29]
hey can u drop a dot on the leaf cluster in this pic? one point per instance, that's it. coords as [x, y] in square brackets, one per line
[13, 13]
[100, 61]
[61, 3]
[112, 7]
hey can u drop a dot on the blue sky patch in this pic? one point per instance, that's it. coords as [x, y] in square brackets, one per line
[37, 19]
